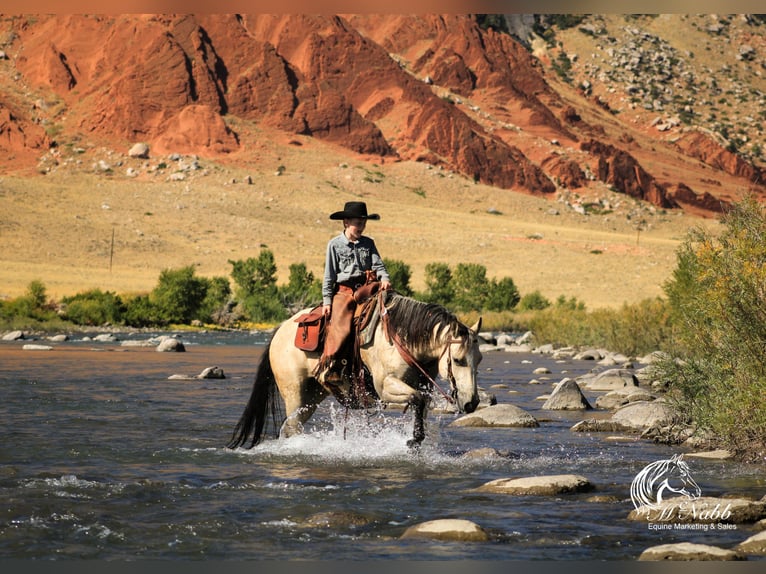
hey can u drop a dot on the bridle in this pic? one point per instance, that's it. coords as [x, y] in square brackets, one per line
[408, 357]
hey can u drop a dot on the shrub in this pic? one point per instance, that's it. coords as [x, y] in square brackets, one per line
[533, 301]
[717, 296]
[94, 307]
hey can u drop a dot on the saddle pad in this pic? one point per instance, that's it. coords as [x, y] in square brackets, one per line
[309, 335]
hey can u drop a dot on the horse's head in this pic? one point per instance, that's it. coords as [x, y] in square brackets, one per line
[459, 366]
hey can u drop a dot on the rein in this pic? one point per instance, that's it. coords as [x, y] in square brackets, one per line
[412, 361]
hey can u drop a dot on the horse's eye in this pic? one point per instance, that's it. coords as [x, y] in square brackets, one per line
[460, 362]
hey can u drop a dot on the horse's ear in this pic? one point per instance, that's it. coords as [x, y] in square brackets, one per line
[476, 326]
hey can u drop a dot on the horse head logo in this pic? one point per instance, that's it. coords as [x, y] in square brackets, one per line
[660, 477]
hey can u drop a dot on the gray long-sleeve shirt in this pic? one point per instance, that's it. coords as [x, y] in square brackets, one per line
[346, 259]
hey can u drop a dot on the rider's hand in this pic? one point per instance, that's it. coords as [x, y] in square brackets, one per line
[326, 310]
[385, 285]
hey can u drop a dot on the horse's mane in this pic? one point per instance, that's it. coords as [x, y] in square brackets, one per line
[421, 325]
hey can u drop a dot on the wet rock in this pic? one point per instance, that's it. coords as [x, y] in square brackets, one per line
[718, 454]
[58, 338]
[13, 336]
[171, 345]
[688, 551]
[105, 338]
[609, 380]
[756, 544]
[620, 397]
[212, 373]
[598, 425]
[501, 415]
[487, 453]
[567, 396]
[448, 529]
[643, 415]
[538, 485]
[336, 520]
[32, 347]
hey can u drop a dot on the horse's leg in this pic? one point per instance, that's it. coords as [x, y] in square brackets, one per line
[395, 390]
[300, 405]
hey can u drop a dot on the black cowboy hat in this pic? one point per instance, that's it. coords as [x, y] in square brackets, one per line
[354, 209]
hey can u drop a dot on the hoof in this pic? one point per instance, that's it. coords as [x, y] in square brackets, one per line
[413, 444]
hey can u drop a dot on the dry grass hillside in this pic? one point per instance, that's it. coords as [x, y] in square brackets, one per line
[83, 214]
[59, 228]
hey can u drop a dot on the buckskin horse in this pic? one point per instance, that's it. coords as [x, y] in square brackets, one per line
[407, 343]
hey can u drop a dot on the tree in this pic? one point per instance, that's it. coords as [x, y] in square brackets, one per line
[302, 289]
[471, 287]
[257, 287]
[717, 296]
[399, 273]
[178, 295]
[439, 288]
[502, 295]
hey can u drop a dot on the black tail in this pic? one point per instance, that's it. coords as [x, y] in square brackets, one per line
[264, 402]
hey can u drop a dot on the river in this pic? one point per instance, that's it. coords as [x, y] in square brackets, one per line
[104, 458]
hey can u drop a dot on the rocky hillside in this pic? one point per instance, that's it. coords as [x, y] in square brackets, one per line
[666, 109]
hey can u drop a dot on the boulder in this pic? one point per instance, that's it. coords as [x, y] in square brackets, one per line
[212, 373]
[538, 485]
[598, 425]
[609, 380]
[32, 347]
[500, 415]
[619, 397]
[643, 415]
[105, 338]
[171, 345]
[589, 355]
[58, 338]
[756, 544]
[139, 150]
[567, 396]
[688, 551]
[13, 336]
[454, 529]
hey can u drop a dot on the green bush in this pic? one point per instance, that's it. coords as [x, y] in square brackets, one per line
[178, 295]
[717, 296]
[94, 307]
[533, 301]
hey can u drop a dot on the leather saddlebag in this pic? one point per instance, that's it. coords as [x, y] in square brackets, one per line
[310, 333]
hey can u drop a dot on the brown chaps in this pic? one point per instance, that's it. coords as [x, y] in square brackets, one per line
[339, 349]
